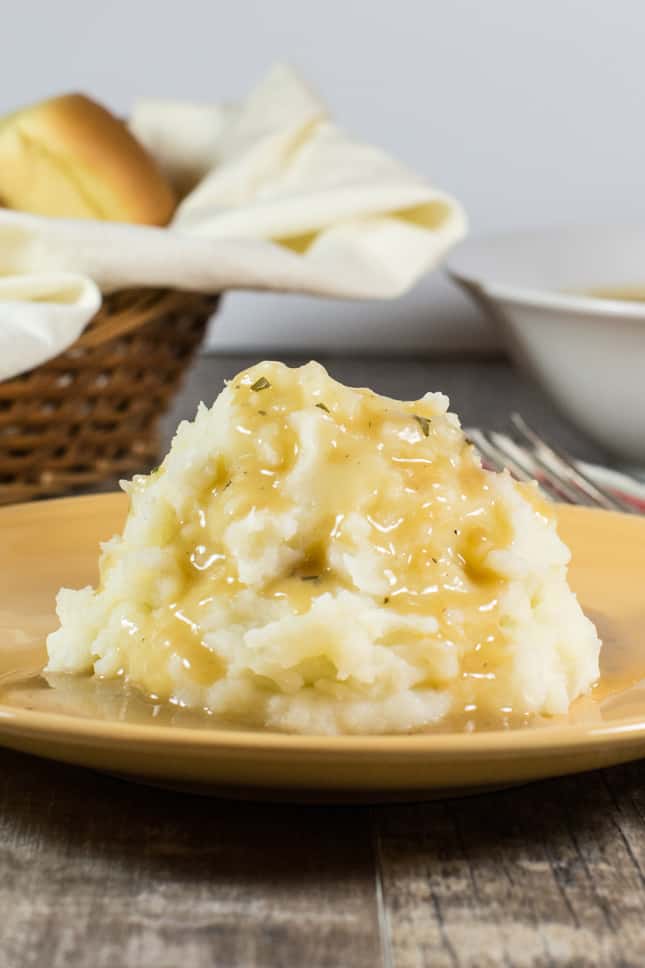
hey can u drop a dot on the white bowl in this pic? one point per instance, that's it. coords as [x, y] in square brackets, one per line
[587, 353]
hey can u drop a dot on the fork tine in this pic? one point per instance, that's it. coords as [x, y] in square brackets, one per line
[486, 449]
[547, 454]
[489, 449]
[547, 479]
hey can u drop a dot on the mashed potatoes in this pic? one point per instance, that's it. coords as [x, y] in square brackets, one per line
[321, 559]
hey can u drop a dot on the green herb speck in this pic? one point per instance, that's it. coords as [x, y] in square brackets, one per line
[260, 384]
[424, 423]
[321, 406]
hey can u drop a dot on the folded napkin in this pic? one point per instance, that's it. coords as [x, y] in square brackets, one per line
[275, 196]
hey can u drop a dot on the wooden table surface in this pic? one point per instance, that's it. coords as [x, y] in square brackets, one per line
[100, 873]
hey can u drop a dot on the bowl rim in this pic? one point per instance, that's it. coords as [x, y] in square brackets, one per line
[547, 299]
[539, 297]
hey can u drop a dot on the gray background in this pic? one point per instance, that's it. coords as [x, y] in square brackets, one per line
[530, 112]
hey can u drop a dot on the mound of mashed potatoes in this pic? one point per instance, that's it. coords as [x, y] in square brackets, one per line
[320, 559]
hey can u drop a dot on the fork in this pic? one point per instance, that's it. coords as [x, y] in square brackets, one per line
[529, 457]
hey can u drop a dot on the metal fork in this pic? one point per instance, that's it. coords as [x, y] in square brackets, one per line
[530, 457]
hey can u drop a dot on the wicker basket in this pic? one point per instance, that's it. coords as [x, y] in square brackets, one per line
[90, 415]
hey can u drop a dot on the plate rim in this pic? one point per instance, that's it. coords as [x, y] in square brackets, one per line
[560, 737]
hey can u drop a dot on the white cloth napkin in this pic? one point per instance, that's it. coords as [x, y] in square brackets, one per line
[277, 198]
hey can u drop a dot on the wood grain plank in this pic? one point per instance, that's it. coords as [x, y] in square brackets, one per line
[551, 874]
[95, 871]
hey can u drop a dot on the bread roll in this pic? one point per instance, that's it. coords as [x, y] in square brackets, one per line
[69, 157]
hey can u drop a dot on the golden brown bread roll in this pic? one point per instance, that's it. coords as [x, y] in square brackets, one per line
[69, 157]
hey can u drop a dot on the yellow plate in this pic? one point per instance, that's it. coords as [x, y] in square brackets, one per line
[48, 544]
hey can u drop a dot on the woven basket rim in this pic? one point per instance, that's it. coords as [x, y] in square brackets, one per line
[89, 414]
